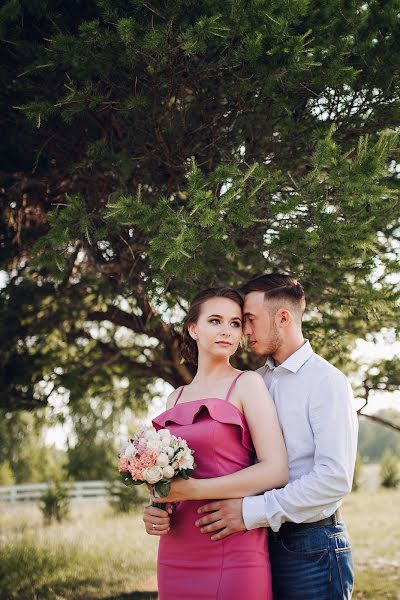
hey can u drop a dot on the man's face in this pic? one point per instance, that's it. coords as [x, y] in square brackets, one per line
[259, 325]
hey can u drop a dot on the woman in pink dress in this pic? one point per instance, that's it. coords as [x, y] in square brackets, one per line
[228, 418]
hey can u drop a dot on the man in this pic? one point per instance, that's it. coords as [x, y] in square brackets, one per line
[309, 549]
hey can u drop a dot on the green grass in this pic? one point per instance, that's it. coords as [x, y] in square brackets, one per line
[373, 521]
[94, 555]
[100, 555]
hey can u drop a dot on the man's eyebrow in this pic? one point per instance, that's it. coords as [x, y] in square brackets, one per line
[248, 314]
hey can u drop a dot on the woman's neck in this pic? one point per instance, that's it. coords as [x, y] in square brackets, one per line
[208, 368]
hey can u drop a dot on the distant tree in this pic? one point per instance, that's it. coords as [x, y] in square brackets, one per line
[383, 376]
[374, 438]
[153, 148]
[93, 454]
[390, 473]
[22, 448]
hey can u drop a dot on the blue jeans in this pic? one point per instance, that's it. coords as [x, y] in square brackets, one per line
[314, 563]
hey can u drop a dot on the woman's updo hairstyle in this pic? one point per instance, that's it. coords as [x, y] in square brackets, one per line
[189, 346]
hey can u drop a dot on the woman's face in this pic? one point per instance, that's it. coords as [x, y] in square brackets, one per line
[219, 327]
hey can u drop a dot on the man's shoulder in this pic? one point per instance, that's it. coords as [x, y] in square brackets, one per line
[260, 371]
[323, 368]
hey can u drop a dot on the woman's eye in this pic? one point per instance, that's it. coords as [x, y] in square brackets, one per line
[236, 324]
[214, 320]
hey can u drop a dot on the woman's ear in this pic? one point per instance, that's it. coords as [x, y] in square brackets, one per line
[192, 329]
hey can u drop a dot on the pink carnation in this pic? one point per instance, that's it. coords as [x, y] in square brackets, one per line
[123, 465]
[136, 469]
[136, 473]
[148, 458]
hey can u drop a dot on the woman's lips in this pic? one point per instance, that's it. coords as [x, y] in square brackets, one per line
[224, 343]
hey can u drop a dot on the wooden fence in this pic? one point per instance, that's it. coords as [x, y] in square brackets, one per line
[78, 490]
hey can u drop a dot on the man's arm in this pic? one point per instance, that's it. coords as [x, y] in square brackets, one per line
[316, 494]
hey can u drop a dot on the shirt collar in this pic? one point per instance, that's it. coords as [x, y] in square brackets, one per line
[294, 361]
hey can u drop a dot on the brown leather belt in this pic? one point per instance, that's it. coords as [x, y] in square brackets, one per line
[287, 528]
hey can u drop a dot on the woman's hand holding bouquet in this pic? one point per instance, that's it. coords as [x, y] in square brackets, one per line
[155, 457]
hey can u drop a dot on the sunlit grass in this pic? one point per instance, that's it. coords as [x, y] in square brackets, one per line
[374, 526]
[96, 554]
[100, 555]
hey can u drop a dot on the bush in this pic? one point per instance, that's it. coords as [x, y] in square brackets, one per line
[54, 503]
[124, 499]
[389, 474]
[6, 474]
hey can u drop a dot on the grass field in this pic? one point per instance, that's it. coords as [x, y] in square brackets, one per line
[98, 555]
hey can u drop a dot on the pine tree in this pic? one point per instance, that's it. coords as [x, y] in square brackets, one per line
[154, 148]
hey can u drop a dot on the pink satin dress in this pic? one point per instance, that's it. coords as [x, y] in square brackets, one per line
[190, 565]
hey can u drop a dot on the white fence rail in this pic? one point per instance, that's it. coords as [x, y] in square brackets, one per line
[79, 490]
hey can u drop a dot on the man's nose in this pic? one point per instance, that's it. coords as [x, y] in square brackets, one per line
[247, 329]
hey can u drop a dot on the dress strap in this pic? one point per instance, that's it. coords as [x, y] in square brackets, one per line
[233, 385]
[178, 396]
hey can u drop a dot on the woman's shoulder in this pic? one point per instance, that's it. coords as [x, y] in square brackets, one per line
[172, 398]
[250, 377]
[251, 385]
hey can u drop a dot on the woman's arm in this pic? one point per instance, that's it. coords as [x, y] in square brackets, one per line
[270, 472]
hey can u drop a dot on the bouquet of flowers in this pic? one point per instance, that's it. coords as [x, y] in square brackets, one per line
[155, 457]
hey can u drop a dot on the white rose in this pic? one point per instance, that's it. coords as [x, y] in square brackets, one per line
[169, 451]
[129, 451]
[165, 441]
[153, 474]
[154, 445]
[162, 460]
[168, 472]
[164, 433]
[151, 434]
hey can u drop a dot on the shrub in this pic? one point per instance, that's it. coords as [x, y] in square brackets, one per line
[6, 474]
[389, 474]
[54, 503]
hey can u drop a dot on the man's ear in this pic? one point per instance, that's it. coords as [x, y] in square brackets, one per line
[192, 329]
[284, 317]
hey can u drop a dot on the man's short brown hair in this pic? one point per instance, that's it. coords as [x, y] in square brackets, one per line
[277, 286]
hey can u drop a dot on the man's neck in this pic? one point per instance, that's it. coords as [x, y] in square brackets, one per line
[287, 350]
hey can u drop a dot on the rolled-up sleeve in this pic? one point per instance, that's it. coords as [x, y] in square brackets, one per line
[317, 494]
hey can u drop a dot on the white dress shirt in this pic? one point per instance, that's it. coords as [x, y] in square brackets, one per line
[315, 408]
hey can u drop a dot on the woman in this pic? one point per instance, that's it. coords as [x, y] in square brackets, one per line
[228, 418]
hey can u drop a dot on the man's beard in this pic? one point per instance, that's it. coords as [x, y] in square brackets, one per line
[273, 343]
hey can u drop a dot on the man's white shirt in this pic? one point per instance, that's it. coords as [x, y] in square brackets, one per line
[314, 402]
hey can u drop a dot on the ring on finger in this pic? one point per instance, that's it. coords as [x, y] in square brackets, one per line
[154, 526]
